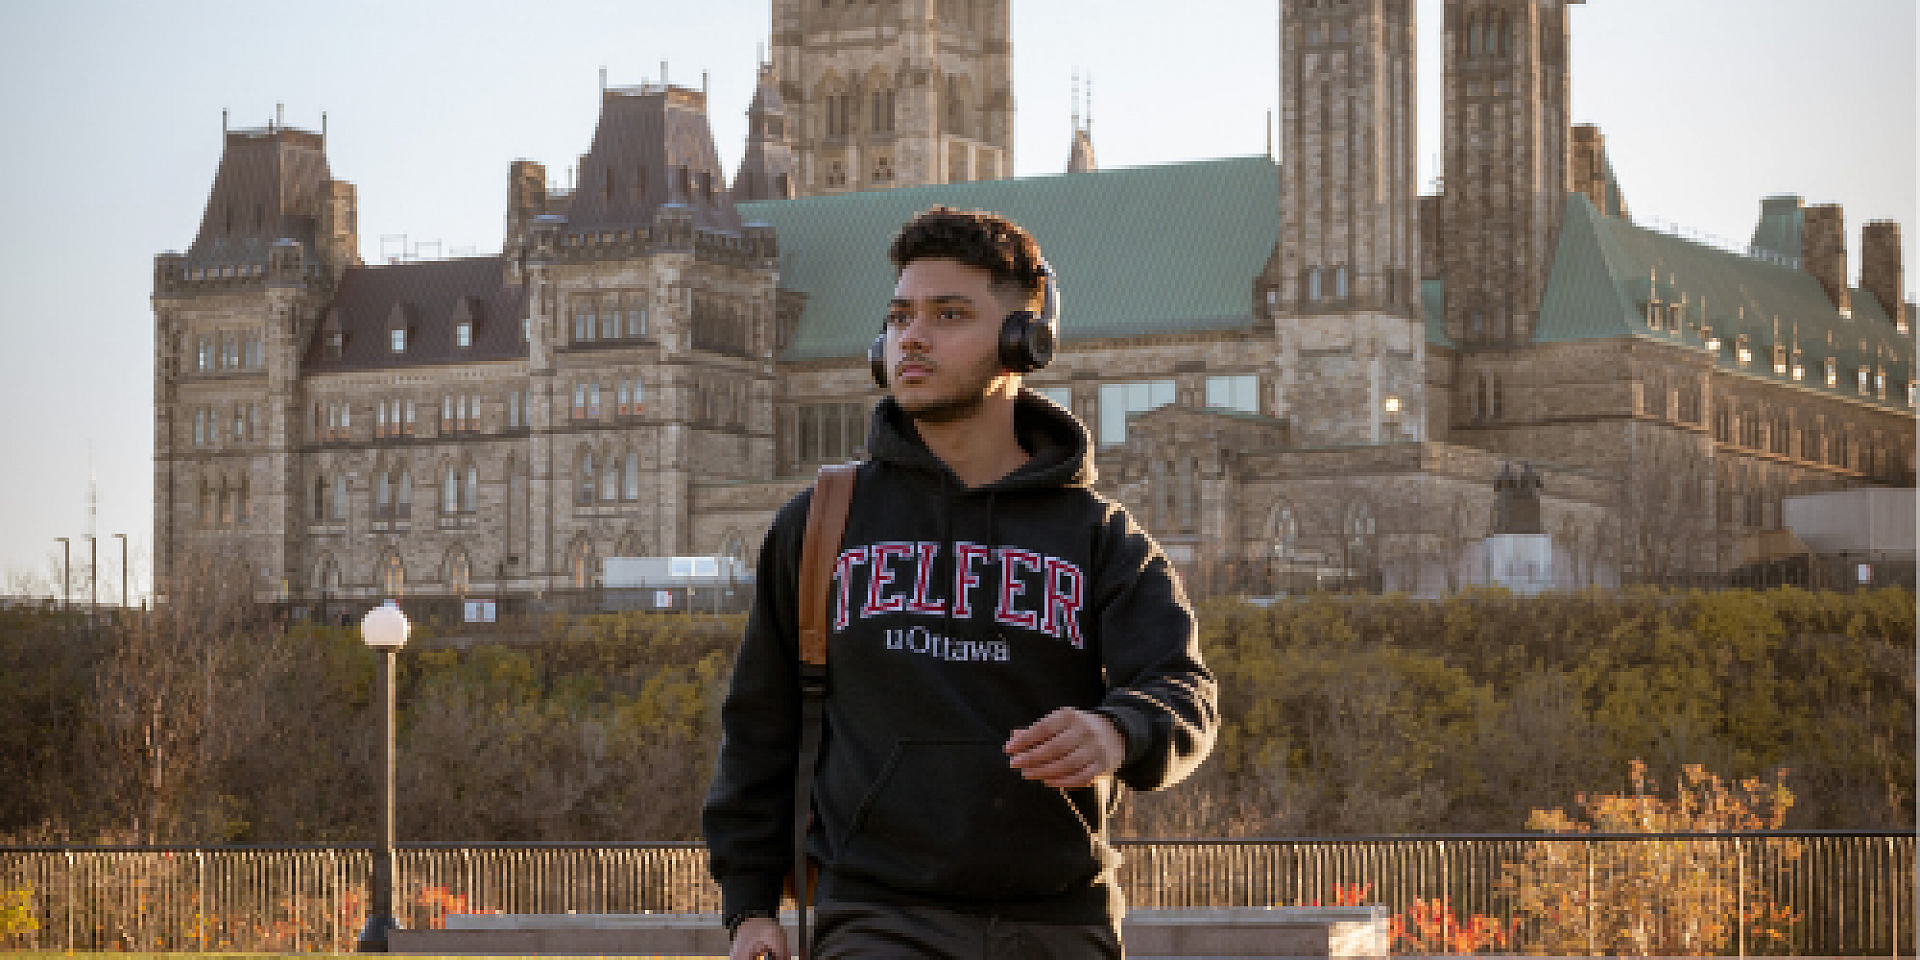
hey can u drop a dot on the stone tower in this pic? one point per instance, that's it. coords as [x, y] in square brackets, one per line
[1507, 173]
[895, 93]
[766, 168]
[1343, 286]
[232, 317]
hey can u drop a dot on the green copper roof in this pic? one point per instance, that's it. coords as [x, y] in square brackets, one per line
[1606, 269]
[1138, 251]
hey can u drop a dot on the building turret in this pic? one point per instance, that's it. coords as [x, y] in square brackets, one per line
[766, 170]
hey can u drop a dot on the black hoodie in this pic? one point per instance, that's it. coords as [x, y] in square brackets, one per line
[958, 616]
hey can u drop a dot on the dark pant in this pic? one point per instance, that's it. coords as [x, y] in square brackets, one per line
[879, 930]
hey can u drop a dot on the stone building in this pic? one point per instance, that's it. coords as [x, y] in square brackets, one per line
[1299, 374]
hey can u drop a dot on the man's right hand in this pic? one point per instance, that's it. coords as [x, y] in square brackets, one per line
[760, 937]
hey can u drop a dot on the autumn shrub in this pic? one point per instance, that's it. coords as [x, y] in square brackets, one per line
[1658, 897]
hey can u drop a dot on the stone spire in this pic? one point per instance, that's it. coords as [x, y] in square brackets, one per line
[766, 169]
[1080, 155]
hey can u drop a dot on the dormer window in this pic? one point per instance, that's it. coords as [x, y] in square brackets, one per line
[463, 334]
[336, 344]
[1833, 373]
[397, 339]
[1860, 376]
[1741, 351]
[1880, 384]
[1711, 342]
[1780, 360]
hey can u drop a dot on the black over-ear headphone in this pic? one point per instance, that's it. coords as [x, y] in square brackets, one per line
[1026, 341]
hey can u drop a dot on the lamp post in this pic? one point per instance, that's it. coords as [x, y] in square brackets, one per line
[123, 569]
[93, 576]
[66, 572]
[385, 629]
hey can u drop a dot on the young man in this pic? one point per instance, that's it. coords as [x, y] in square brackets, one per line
[1005, 645]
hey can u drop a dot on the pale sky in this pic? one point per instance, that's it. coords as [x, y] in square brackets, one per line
[111, 119]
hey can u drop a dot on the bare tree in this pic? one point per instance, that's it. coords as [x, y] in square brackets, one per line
[182, 687]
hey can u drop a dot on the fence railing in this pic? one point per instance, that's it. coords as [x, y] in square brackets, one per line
[1827, 893]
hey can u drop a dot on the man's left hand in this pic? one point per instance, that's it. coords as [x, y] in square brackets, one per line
[1067, 748]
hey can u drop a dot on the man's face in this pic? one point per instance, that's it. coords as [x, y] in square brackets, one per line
[943, 341]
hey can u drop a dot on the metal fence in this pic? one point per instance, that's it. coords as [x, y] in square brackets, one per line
[1832, 894]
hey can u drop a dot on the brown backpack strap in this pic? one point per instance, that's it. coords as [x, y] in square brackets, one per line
[826, 520]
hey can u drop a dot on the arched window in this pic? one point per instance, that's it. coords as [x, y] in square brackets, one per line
[580, 565]
[610, 478]
[393, 577]
[339, 496]
[319, 504]
[450, 490]
[459, 572]
[1283, 529]
[630, 482]
[382, 495]
[585, 480]
[470, 490]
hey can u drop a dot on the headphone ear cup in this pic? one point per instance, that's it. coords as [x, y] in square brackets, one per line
[877, 359]
[1015, 354]
[1040, 343]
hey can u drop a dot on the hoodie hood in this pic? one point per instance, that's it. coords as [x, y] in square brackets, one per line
[1060, 448]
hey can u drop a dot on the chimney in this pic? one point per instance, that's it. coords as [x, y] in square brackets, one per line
[338, 243]
[1881, 273]
[1823, 252]
[1587, 171]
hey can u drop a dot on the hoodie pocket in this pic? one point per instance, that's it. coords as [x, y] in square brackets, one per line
[951, 817]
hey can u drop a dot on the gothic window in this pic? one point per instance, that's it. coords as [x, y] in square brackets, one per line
[459, 575]
[1340, 287]
[253, 353]
[339, 511]
[382, 496]
[1313, 284]
[630, 479]
[450, 490]
[1481, 407]
[1284, 529]
[470, 489]
[393, 576]
[609, 479]
[580, 565]
[319, 503]
[208, 515]
[1496, 411]
[584, 481]
[1189, 502]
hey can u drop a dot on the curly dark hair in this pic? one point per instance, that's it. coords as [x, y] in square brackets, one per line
[978, 239]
